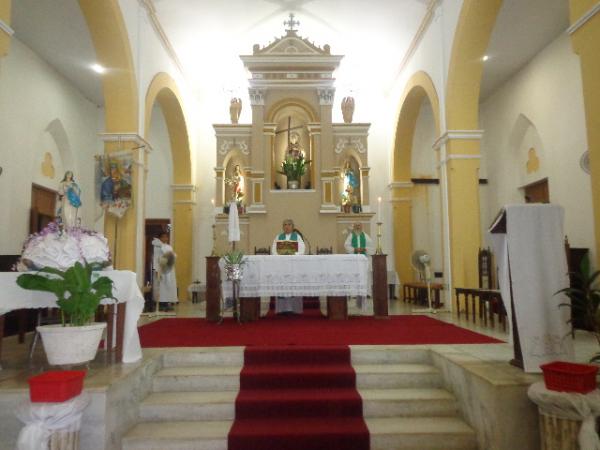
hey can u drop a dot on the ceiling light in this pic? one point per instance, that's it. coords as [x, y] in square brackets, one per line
[485, 58]
[98, 68]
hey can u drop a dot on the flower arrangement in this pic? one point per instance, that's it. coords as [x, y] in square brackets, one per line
[78, 290]
[234, 260]
[294, 167]
[60, 248]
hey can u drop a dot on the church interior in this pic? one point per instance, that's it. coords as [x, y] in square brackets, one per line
[199, 127]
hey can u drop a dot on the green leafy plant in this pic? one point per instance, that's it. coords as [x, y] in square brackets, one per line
[585, 300]
[294, 168]
[234, 257]
[77, 295]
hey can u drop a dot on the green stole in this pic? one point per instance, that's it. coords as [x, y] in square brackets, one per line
[293, 237]
[363, 242]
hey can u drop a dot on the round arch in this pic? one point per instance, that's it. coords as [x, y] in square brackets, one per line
[163, 90]
[418, 88]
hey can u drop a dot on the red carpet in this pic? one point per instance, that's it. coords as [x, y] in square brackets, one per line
[308, 329]
[298, 398]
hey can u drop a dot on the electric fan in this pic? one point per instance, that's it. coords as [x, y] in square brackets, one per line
[420, 261]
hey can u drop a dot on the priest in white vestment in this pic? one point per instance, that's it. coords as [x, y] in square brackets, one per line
[289, 242]
[164, 271]
[359, 243]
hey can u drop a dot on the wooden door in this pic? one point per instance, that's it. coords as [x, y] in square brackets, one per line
[43, 207]
[537, 192]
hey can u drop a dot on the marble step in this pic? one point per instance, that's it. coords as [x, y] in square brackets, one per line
[221, 356]
[397, 376]
[377, 354]
[189, 435]
[197, 378]
[408, 403]
[185, 406]
[420, 433]
[413, 433]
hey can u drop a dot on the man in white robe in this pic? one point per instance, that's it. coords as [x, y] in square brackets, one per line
[164, 271]
[289, 242]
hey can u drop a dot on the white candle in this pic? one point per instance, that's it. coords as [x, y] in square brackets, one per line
[378, 209]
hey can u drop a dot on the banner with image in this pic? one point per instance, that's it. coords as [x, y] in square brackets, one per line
[113, 183]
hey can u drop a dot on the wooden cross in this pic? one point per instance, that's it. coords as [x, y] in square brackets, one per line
[288, 129]
[291, 23]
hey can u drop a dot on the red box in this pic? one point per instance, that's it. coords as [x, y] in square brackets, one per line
[56, 386]
[569, 377]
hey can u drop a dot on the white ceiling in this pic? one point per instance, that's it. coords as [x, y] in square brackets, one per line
[208, 36]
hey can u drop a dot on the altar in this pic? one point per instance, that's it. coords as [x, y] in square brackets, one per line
[124, 329]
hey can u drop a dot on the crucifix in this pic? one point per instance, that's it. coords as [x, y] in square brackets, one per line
[288, 129]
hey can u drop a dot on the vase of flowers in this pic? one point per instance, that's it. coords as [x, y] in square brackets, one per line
[234, 260]
[294, 167]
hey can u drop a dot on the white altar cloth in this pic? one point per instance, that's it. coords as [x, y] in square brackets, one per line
[125, 290]
[302, 275]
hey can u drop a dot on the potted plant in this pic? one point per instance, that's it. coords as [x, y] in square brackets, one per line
[584, 294]
[293, 168]
[78, 293]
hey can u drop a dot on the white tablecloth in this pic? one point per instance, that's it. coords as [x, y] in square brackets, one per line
[125, 290]
[302, 275]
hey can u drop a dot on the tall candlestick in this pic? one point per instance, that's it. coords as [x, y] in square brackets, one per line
[378, 209]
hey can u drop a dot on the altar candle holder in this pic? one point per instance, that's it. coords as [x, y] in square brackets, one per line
[378, 250]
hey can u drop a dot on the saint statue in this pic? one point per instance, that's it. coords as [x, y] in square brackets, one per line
[235, 109]
[347, 109]
[294, 148]
[236, 181]
[69, 195]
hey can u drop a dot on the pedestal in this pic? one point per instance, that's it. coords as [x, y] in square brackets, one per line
[213, 288]
[380, 284]
[337, 308]
[558, 433]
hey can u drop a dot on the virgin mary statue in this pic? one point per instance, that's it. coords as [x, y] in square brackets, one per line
[70, 200]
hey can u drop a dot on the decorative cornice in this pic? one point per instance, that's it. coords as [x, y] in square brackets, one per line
[351, 129]
[326, 96]
[160, 32]
[184, 187]
[584, 19]
[6, 28]
[269, 128]
[232, 130]
[313, 128]
[457, 157]
[400, 185]
[466, 135]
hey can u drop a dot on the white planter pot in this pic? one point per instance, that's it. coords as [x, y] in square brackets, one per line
[71, 345]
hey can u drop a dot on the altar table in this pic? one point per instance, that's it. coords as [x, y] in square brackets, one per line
[130, 301]
[331, 276]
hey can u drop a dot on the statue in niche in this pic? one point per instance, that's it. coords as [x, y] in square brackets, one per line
[294, 147]
[236, 181]
[235, 109]
[347, 109]
[350, 188]
[69, 195]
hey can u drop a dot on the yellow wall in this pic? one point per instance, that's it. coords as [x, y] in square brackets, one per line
[5, 17]
[163, 90]
[586, 43]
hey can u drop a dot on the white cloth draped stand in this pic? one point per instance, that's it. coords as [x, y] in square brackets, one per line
[125, 290]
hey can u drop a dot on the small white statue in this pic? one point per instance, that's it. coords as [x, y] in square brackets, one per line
[70, 200]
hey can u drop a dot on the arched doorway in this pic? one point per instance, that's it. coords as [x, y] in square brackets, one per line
[164, 92]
